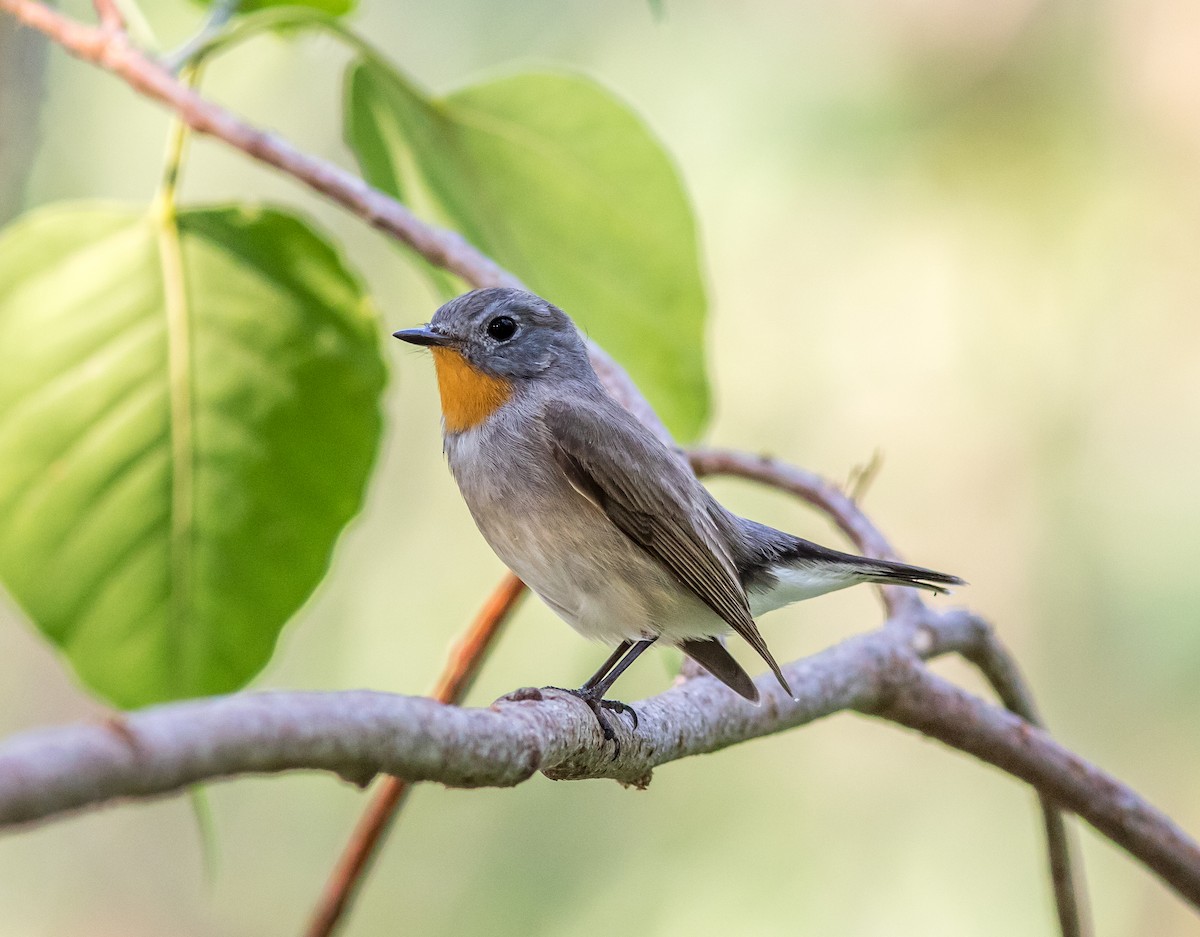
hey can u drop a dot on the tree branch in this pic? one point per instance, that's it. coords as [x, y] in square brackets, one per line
[357, 734]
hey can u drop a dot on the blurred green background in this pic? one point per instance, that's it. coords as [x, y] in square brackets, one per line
[964, 235]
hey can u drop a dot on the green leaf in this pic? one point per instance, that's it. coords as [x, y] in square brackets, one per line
[332, 7]
[563, 185]
[189, 409]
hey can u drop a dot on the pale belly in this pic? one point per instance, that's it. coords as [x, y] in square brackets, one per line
[564, 548]
[598, 581]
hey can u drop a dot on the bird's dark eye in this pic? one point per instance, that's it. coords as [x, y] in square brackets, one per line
[502, 328]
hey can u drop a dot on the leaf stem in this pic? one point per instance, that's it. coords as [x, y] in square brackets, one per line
[214, 26]
[177, 139]
[211, 42]
[179, 383]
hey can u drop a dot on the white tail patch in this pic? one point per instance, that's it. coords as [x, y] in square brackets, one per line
[796, 583]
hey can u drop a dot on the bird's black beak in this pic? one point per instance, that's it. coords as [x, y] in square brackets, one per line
[423, 336]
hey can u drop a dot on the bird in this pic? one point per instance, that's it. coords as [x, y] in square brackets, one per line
[603, 520]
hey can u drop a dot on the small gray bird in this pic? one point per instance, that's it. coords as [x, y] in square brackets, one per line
[596, 515]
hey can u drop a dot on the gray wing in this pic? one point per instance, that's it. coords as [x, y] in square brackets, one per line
[656, 502]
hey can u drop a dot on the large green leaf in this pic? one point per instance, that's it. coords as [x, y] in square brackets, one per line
[563, 185]
[188, 414]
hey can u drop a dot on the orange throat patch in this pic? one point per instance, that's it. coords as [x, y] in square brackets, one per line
[468, 395]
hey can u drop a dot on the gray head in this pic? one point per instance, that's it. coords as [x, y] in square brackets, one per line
[506, 333]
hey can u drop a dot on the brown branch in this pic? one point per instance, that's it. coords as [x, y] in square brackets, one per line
[463, 665]
[113, 52]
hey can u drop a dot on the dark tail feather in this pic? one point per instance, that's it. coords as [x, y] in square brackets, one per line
[710, 654]
[765, 548]
[901, 574]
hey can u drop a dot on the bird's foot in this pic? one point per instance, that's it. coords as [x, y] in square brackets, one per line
[600, 709]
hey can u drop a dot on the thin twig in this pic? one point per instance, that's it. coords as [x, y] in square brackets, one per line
[115, 54]
[861, 477]
[109, 15]
[461, 668]
[999, 668]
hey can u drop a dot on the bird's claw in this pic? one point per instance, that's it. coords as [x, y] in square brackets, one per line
[600, 709]
[622, 708]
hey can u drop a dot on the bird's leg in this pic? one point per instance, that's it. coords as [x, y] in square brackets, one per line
[601, 684]
[593, 691]
[607, 665]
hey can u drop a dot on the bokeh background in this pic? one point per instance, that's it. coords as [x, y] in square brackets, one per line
[965, 235]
